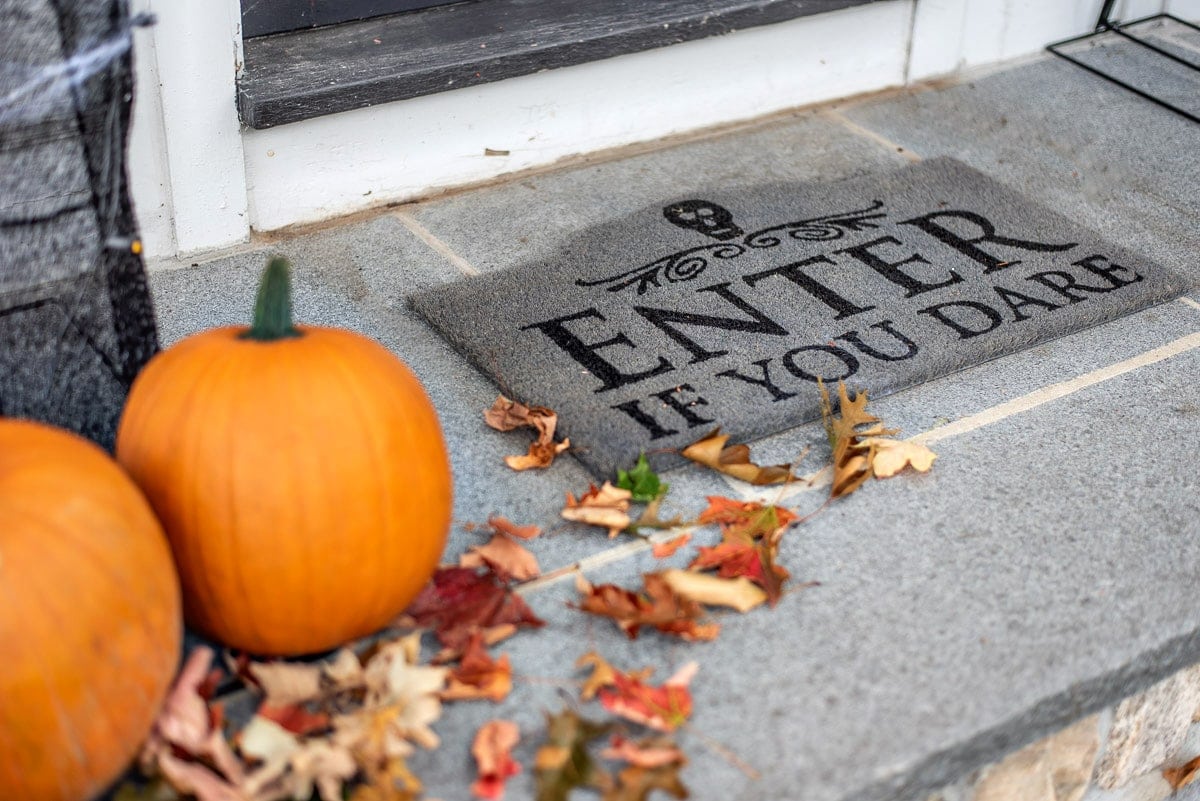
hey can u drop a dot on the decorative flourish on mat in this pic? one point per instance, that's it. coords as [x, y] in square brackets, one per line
[686, 265]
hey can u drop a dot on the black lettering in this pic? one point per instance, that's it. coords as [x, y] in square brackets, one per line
[890, 270]
[968, 248]
[851, 363]
[765, 382]
[964, 332]
[668, 397]
[1065, 284]
[886, 326]
[1108, 273]
[792, 272]
[646, 421]
[1017, 301]
[664, 319]
[587, 353]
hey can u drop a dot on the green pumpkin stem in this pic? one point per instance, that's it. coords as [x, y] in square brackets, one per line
[273, 305]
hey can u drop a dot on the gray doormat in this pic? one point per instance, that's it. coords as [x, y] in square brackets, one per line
[723, 309]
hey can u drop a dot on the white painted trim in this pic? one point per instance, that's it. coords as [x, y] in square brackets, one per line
[196, 46]
[149, 174]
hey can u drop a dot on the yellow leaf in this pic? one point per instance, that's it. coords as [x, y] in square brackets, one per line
[738, 593]
[890, 456]
[734, 460]
[606, 507]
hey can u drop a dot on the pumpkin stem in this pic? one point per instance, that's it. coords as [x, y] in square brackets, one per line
[273, 305]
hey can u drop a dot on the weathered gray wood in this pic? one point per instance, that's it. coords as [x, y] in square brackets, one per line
[263, 17]
[296, 76]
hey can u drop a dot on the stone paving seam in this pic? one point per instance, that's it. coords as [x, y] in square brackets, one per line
[820, 478]
[425, 235]
[866, 133]
[1190, 302]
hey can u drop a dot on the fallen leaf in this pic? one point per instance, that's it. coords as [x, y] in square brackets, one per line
[642, 482]
[889, 456]
[478, 676]
[507, 415]
[492, 750]
[603, 674]
[286, 683]
[754, 561]
[563, 762]
[664, 708]
[637, 783]
[658, 607]
[510, 560]
[736, 593]
[1183, 775]
[663, 550]
[459, 601]
[851, 457]
[294, 718]
[502, 525]
[606, 507]
[734, 460]
[395, 679]
[746, 520]
[652, 753]
[323, 766]
[393, 782]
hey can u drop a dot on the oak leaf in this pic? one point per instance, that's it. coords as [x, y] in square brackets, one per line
[664, 708]
[478, 676]
[738, 593]
[606, 507]
[890, 456]
[658, 607]
[668, 548]
[563, 763]
[734, 460]
[492, 749]
[459, 601]
[507, 415]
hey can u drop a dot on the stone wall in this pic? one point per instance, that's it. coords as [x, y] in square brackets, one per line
[1119, 754]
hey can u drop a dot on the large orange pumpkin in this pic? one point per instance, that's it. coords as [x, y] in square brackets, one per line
[299, 472]
[90, 621]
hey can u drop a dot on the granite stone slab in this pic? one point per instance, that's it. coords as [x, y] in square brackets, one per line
[726, 308]
[1081, 145]
[1039, 573]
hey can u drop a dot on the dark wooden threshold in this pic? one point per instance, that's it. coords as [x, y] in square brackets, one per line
[295, 76]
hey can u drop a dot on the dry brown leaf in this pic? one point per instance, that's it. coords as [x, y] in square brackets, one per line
[508, 558]
[502, 525]
[636, 783]
[652, 753]
[492, 750]
[606, 507]
[507, 415]
[393, 782]
[736, 593]
[1183, 775]
[286, 683]
[734, 460]
[658, 607]
[851, 456]
[663, 550]
[479, 676]
[890, 456]
[394, 679]
[603, 674]
[563, 762]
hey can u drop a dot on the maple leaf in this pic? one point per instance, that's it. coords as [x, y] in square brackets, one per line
[659, 607]
[889, 456]
[603, 674]
[606, 507]
[664, 708]
[734, 460]
[507, 558]
[395, 679]
[851, 456]
[655, 752]
[738, 593]
[563, 763]
[642, 482]
[459, 601]
[492, 749]
[745, 520]
[478, 676]
[507, 415]
[668, 548]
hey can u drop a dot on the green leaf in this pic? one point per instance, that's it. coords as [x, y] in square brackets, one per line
[642, 481]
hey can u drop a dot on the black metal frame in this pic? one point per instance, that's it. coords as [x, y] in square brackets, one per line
[1104, 25]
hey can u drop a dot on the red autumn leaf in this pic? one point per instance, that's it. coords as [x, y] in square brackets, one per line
[478, 676]
[294, 717]
[739, 558]
[664, 708]
[662, 550]
[459, 601]
[658, 606]
[745, 519]
[653, 753]
[492, 750]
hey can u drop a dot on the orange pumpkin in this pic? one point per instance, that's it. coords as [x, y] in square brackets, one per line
[90, 622]
[299, 472]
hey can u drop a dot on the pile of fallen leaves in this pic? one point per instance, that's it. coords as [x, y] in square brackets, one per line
[344, 727]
